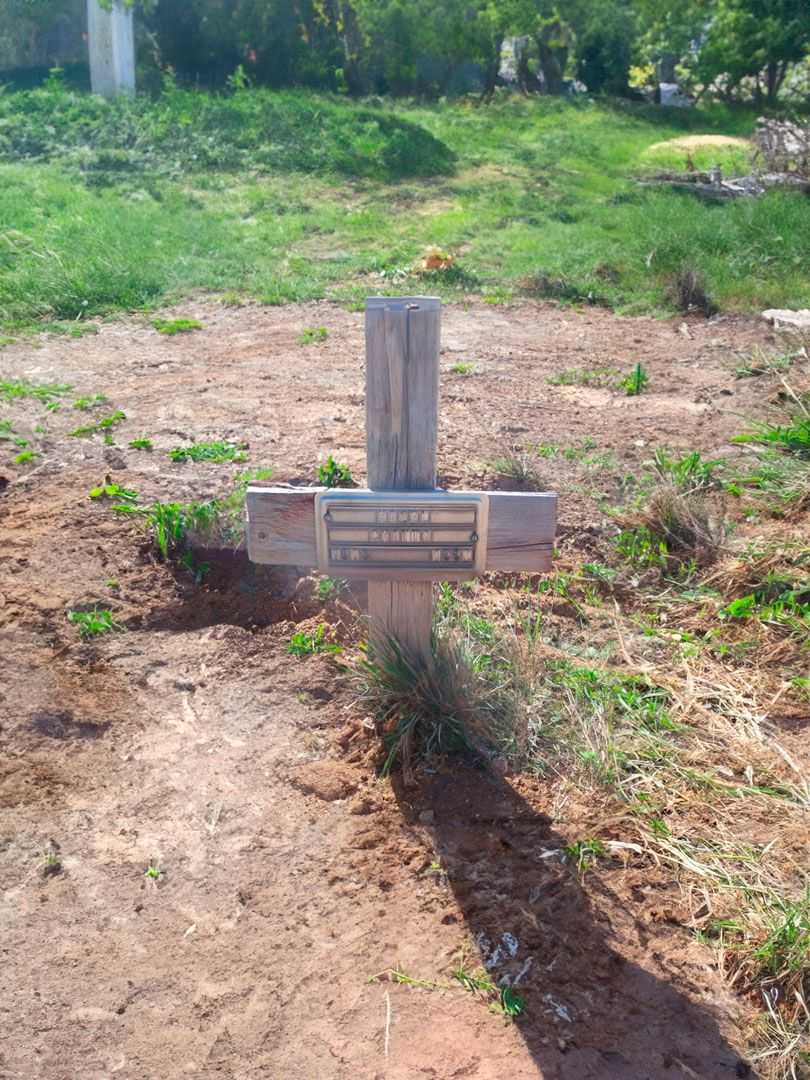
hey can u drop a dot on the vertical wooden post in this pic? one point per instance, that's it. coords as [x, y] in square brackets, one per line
[402, 416]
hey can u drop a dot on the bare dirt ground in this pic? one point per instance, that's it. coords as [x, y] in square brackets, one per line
[191, 739]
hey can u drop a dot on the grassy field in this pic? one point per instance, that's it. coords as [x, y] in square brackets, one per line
[293, 196]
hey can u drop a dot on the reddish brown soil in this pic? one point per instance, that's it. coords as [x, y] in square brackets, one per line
[290, 875]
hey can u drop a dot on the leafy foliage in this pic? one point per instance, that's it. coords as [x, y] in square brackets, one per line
[217, 452]
[333, 474]
[93, 623]
[306, 644]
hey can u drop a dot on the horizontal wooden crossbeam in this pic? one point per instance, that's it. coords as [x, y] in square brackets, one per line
[520, 536]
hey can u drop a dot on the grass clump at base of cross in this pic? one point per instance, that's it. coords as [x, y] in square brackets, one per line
[198, 199]
[467, 697]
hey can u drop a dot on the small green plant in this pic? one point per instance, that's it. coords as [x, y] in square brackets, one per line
[216, 452]
[758, 362]
[333, 474]
[636, 382]
[52, 864]
[110, 490]
[597, 376]
[640, 548]
[141, 443]
[583, 853]
[312, 335]
[93, 623]
[170, 327]
[91, 402]
[519, 468]
[45, 392]
[26, 457]
[689, 472]
[330, 588]
[461, 368]
[503, 1000]
[793, 437]
[153, 871]
[304, 644]
[101, 426]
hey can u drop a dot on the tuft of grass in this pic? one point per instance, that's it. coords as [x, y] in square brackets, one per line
[141, 443]
[636, 382]
[110, 490]
[313, 335]
[12, 390]
[170, 327]
[518, 467]
[461, 368]
[598, 376]
[25, 457]
[467, 696]
[303, 644]
[759, 362]
[793, 437]
[177, 527]
[217, 452]
[329, 588]
[503, 1000]
[91, 401]
[93, 623]
[584, 853]
[332, 474]
[103, 426]
[688, 473]
[689, 292]
[677, 523]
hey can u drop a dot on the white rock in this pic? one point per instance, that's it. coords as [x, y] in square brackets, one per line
[785, 317]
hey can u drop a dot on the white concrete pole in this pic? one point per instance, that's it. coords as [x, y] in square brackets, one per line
[111, 44]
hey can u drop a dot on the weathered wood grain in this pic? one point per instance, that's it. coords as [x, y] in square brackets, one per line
[281, 526]
[520, 535]
[402, 422]
[521, 530]
[402, 392]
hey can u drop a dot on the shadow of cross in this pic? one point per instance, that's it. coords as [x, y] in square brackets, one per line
[401, 534]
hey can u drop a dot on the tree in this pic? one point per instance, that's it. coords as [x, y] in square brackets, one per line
[757, 39]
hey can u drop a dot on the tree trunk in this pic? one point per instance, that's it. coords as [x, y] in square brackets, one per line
[491, 69]
[552, 63]
[553, 57]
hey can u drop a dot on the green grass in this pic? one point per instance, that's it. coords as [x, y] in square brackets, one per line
[105, 425]
[313, 335]
[13, 390]
[333, 474]
[217, 452]
[302, 643]
[170, 327]
[111, 490]
[93, 623]
[141, 443]
[91, 401]
[108, 207]
[636, 382]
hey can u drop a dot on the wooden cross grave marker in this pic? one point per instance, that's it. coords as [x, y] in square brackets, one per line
[401, 534]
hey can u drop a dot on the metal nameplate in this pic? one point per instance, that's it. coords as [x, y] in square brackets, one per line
[401, 535]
